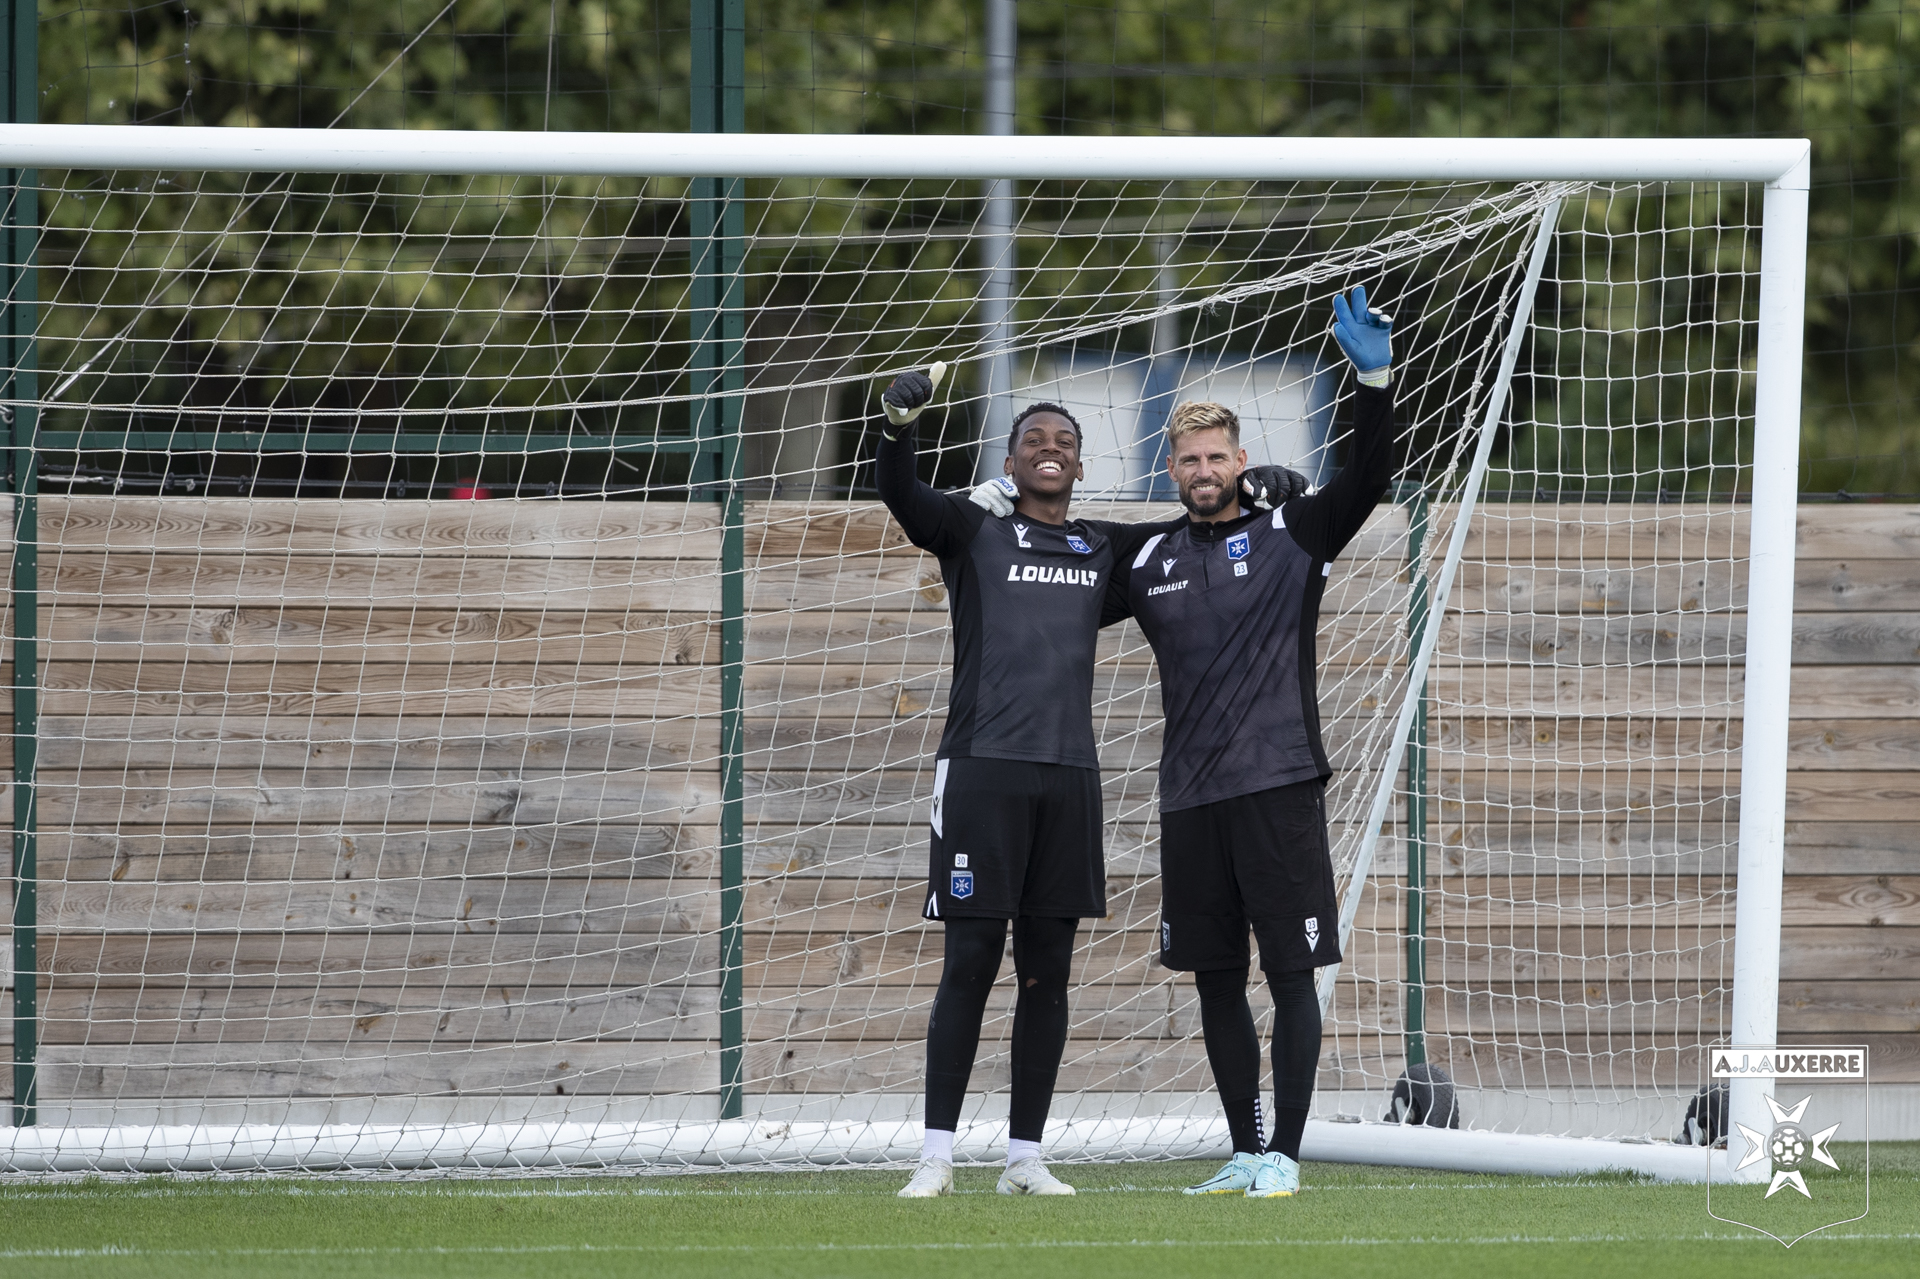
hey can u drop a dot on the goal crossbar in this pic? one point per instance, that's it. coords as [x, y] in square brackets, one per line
[785, 155]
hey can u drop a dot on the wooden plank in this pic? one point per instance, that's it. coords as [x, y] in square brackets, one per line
[1503, 588]
[1849, 1007]
[1819, 692]
[398, 1015]
[170, 635]
[1861, 531]
[1868, 902]
[811, 530]
[223, 959]
[1530, 741]
[1523, 638]
[239, 854]
[1124, 1066]
[633, 796]
[305, 689]
[1820, 585]
[568, 907]
[518, 527]
[1547, 531]
[102, 745]
[1856, 639]
[139, 578]
[1855, 586]
[296, 1069]
[1895, 1058]
[1858, 848]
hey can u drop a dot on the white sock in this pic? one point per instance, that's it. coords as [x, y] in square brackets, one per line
[937, 1145]
[1018, 1150]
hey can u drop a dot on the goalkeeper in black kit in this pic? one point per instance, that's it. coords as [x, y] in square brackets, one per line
[1230, 601]
[1016, 791]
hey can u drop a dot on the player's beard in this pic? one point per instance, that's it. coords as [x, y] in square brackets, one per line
[1223, 499]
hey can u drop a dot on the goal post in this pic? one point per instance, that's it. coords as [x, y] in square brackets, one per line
[580, 825]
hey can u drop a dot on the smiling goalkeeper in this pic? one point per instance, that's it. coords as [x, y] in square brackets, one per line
[1016, 791]
[1230, 601]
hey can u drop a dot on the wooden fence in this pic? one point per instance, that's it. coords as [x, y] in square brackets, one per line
[350, 799]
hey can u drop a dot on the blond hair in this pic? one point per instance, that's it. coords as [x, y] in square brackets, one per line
[1203, 415]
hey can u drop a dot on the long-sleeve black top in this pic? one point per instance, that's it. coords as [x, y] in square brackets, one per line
[1026, 599]
[1232, 609]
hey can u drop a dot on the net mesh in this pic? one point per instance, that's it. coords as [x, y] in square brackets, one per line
[366, 808]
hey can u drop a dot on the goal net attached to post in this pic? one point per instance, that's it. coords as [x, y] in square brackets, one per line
[581, 822]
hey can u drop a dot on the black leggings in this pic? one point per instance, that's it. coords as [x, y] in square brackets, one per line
[1233, 1047]
[1042, 963]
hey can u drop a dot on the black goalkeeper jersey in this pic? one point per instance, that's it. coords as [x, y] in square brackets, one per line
[1026, 600]
[1231, 610]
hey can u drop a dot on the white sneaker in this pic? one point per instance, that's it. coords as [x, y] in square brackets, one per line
[1030, 1177]
[932, 1179]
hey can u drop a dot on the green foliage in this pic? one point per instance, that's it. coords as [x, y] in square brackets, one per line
[1837, 71]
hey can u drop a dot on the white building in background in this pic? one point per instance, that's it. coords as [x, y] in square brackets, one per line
[1122, 401]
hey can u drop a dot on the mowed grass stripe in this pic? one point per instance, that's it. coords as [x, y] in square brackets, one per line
[1129, 1223]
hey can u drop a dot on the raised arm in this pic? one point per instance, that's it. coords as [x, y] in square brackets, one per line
[1324, 522]
[932, 520]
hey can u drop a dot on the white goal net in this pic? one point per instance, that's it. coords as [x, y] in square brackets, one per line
[485, 719]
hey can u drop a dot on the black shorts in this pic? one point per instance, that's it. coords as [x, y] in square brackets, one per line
[1012, 838]
[1256, 862]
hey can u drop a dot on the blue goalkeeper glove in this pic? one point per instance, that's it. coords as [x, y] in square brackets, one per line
[1365, 335]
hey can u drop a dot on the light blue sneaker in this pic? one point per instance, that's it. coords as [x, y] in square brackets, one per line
[1234, 1179]
[1276, 1177]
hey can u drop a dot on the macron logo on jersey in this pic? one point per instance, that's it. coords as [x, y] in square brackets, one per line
[1049, 574]
[1020, 535]
[1166, 567]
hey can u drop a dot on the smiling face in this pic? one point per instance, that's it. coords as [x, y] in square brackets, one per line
[1045, 460]
[1206, 465]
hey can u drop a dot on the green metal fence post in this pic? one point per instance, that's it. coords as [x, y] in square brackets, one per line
[719, 364]
[21, 383]
[1416, 838]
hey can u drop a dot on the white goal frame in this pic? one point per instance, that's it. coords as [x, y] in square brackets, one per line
[1782, 166]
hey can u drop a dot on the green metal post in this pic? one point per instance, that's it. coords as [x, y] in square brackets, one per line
[719, 372]
[1416, 1034]
[20, 231]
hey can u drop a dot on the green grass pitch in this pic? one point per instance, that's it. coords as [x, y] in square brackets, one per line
[1128, 1220]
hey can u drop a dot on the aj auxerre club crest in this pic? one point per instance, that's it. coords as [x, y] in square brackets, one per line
[1238, 546]
[1770, 1146]
[960, 883]
[1789, 1146]
[1079, 545]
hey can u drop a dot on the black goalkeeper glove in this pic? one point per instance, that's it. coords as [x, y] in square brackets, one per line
[907, 396]
[1269, 486]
